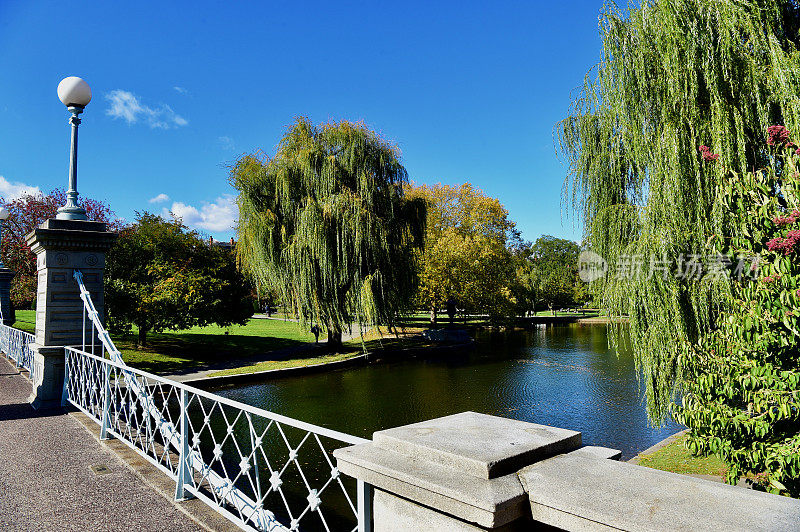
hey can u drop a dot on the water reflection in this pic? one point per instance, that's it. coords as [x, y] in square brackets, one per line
[563, 376]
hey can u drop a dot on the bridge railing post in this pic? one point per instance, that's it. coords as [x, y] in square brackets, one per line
[104, 426]
[364, 502]
[65, 383]
[184, 472]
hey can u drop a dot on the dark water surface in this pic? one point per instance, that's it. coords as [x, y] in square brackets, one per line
[564, 376]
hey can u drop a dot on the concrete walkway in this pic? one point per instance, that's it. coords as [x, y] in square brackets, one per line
[46, 476]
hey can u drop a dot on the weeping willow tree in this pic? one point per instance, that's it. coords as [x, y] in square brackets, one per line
[326, 224]
[673, 75]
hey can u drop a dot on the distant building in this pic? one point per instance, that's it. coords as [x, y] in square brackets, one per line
[231, 245]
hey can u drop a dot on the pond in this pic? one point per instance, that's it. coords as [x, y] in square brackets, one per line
[563, 376]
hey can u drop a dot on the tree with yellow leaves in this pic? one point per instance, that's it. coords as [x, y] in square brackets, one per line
[466, 255]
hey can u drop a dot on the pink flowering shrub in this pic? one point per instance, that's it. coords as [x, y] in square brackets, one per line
[786, 220]
[777, 135]
[785, 245]
[707, 155]
[741, 381]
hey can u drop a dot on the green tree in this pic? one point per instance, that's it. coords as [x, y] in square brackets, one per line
[524, 287]
[160, 275]
[741, 391]
[467, 255]
[674, 76]
[327, 223]
[555, 271]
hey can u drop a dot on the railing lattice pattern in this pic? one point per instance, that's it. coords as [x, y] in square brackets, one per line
[262, 470]
[16, 346]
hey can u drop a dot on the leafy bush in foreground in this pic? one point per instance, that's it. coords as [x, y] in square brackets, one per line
[741, 394]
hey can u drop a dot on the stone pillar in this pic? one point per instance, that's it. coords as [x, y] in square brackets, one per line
[456, 473]
[61, 247]
[5, 296]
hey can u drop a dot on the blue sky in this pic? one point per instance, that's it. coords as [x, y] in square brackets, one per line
[470, 91]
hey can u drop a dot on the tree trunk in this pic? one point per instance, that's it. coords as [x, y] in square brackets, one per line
[142, 337]
[433, 315]
[334, 340]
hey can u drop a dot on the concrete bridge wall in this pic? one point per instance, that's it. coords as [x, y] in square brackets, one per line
[470, 472]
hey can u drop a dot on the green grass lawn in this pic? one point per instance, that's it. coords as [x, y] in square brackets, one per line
[174, 351]
[292, 363]
[677, 459]
[26, 320]
[171, 352]
[373, 340]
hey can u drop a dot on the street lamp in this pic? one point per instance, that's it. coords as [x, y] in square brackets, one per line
[3, 218]
[75, 94]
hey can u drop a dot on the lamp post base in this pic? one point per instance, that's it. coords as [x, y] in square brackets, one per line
[48, 377]
[71, 213]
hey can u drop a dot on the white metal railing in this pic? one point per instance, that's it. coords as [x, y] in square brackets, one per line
[262, 470]
[16, 346]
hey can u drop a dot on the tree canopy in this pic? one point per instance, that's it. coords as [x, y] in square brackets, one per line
[160, 275]
[555, 269]
[466, 255]
[674, 76]
[327, 223]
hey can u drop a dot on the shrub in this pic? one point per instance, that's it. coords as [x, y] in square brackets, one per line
[741, 392]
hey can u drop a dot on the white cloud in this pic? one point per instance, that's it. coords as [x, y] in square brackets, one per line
[226, 143]
[219, 215]
[11, 190]
[125, 105]
[161, 198]
[181, 90]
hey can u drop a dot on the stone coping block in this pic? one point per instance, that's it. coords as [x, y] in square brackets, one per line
[73, 225]
[70, 234]
[489, 503]
[396, 514]
[480, 445]
[574, 492]
[462, 465]
[592, 451]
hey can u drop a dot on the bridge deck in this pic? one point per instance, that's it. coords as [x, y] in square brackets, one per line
[46, 476]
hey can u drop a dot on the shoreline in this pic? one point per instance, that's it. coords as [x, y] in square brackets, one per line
[372, 357]
[253, 376]
[602, 320]
[658, 446]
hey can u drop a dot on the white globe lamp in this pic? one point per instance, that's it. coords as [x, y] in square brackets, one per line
[75, 93]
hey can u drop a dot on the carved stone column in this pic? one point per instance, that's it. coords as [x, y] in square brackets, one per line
[61, 247]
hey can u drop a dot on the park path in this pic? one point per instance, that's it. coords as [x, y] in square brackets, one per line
[46, 480]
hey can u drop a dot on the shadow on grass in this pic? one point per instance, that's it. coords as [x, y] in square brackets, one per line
[25, 322]
[188, 352]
